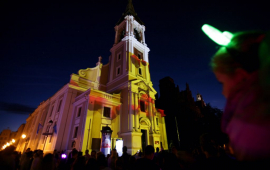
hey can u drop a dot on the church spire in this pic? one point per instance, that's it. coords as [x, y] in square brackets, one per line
[130, 11]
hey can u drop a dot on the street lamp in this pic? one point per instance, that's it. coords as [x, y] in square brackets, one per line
[20, 141]
[47, 133]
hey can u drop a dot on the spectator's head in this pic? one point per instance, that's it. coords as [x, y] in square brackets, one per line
[124, 149]
[157, 149]
[101, 160]
[74, 153]
[47, 162]
[80, 153]
[149, 152]
[234, 63]
[86, 152]
[114, 153]
[94, 154]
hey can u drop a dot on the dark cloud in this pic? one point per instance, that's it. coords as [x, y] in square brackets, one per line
[15, 108]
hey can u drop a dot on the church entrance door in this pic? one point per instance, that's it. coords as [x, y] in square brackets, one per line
[144, 137]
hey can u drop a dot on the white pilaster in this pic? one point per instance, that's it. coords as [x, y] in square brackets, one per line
[127, 23]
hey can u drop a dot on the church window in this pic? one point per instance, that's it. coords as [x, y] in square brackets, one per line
[142, 106]
[59, 107]
[119, 57]
[157, 120]
[140, 71]
[79, 112]
[51, 111]
[75, 132]
[107, 112]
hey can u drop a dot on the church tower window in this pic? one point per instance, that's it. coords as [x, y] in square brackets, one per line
[137, 35]
[119, 56]
[118, 70]
[139, 56]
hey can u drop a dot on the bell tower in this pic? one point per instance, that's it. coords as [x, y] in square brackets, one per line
[140, 123]
[129, 54]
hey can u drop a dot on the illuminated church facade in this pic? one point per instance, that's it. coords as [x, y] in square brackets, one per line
[118, 94]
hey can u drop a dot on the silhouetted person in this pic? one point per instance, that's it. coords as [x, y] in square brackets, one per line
[7, 159]
[87, 156]
[112, 159]
[74, 155]
[47, 162]
[102, 163]
[38, 155]
[170, 162]
[146, 163]
[132, 163]
[79, 163]
[94, 154]
[125, 157]
[92, 164]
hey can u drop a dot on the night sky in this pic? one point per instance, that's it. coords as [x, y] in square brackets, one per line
[42, 44]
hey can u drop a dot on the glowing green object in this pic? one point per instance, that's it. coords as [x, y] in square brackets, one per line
[221, 38]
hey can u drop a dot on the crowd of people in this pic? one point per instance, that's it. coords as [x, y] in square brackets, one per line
[209, 155]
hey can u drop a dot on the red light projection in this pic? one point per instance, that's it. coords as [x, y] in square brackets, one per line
[99, 100]
[162, 112]
[135, 59]
[74, 83]
[144, 62]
